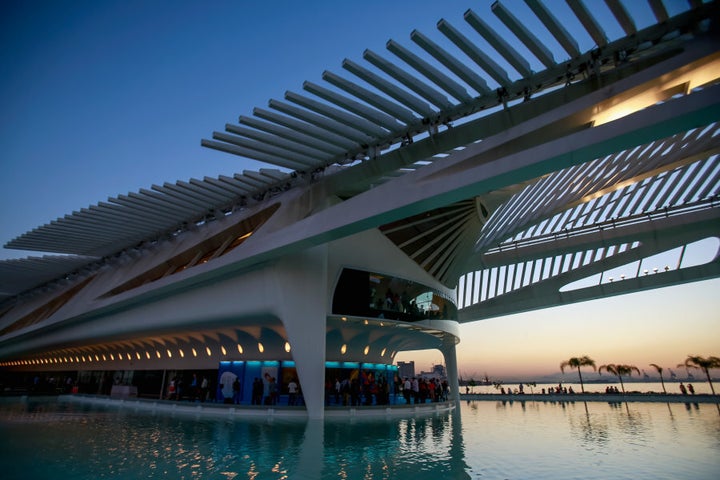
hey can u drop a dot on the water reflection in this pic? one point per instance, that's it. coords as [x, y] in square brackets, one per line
[395, 448]
[590, 430]
[511, 439]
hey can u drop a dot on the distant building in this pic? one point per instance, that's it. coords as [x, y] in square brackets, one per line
[406, 369]
[438, 371]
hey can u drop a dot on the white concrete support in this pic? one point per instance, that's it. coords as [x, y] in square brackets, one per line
[301, 289]
[449, 352]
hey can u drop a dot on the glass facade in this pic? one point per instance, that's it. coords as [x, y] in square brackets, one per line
[367, 294]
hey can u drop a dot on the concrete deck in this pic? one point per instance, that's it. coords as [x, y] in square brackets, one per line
[256, 411]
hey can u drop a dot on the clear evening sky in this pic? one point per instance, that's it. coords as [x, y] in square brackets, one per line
[103, 98]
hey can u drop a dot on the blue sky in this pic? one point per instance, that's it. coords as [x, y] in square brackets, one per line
[101, 98]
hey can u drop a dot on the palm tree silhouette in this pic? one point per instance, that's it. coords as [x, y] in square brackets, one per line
[704, 364]
[660, 370]
[619, 370]
[577, 362]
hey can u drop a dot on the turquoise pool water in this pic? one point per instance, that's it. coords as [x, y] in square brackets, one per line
[46, 439]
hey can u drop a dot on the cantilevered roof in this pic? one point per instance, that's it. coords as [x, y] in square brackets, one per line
[379, 103]
[128, 220]
[391, 97]
[17, 276]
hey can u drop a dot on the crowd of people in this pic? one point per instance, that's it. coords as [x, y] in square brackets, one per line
[366, 389]
[196, 390]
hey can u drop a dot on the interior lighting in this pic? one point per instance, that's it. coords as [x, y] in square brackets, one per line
[157, 352]
[182, 354]
[77, 359]
[194, 352]
[207, 349]
[83, 358]
[701, 72]
[147, 354]
[222, 349]
[261, 348]
[97, 359]
[112, 357]
[137, 355]
[287, 347]
[366, 321]
[169, 353]
[343, 349]
[382, 354]
[129, 357]
[367, 349]
[240, 349]
[104, 358]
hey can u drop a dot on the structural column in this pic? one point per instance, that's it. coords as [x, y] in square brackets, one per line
[449, 352]
[301, 295]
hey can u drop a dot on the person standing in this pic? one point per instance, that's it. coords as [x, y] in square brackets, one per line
[292, 392]
[257, 391]
[204, 389]
[236, 391]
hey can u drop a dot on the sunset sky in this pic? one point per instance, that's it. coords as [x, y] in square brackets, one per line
[103, 98]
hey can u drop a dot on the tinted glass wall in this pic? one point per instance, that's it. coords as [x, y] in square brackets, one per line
[368, 294]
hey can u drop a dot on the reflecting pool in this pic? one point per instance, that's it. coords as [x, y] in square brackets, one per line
[45, 438]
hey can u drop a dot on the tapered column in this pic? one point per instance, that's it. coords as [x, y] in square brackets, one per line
[302, 306]
[449, 352]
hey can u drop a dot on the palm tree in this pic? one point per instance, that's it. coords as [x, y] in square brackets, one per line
[704, 364]
[577, 362]
[660, 370]
[619, 370]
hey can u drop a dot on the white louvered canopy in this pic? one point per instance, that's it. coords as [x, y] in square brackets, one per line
[128, 220]
[375, 105]
[394, 96]
[20, 275]
[695, 180]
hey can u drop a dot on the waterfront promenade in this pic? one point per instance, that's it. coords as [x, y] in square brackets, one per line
[593, 397]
